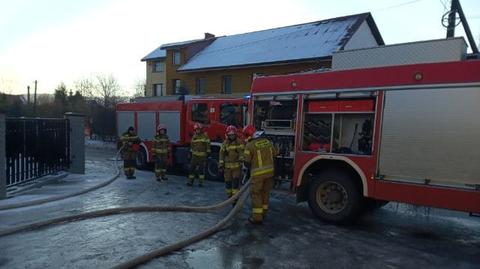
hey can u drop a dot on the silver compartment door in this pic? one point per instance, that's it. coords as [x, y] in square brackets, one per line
[124, 120]
[432, 134]
[171, 119]
[147, 125]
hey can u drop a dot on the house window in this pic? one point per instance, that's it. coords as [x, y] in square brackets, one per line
[158, 67]
[176, 57]
[158, 89]
[227, 84]
[177, 86]
[201, 86]
[200, 113]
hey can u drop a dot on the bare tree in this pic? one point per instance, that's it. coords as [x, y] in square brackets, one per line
[86, 87]
[107, 90]
[102, 88]
[140, 88]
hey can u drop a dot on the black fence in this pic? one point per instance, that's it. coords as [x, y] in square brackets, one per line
[35, 148]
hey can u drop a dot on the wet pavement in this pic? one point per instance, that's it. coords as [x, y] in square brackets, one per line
[396, 236]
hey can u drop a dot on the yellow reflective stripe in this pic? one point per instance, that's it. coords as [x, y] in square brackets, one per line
[259, 158]
[232, 165]
[201, 140]
[262, 171]
[265, 207]
[221, 161]
[257, 210]
[199, 153]
[235, 191]
[246, 152]
[160, 150]
[235, 147]
[201, 176]
[228, 191]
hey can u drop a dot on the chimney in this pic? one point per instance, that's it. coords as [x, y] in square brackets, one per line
[208, 35]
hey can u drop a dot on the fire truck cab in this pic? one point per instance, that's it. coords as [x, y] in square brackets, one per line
[355, 139]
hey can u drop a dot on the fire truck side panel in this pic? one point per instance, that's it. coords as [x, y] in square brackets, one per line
[425, 195]
[125, 119]
[146, 122]
[171, 119]
[431, 136]
[372, 78]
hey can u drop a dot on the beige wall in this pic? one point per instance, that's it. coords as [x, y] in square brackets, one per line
[241, 78]
[154, 78]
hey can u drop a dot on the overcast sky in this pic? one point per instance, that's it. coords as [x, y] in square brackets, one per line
[55, 41]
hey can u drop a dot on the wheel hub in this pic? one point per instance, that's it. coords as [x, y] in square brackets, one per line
[332, 197]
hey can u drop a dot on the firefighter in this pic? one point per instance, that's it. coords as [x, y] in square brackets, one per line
[130, 142]
[199, 151]
[160, 152]
[231, 159]
[259, 153]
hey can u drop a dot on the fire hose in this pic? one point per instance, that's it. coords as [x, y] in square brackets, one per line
[241, 196]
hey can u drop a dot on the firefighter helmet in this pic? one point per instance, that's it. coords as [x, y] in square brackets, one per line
[231, 130]
[197, 126]
[161, 127]
[249, 130]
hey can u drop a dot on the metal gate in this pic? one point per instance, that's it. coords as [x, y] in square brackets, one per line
[35, 148]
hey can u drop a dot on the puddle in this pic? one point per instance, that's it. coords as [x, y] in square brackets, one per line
[214, 258]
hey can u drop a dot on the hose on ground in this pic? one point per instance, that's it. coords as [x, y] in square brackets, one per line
[123, 210]
[61, 197]
[186, 242]
[239, 198]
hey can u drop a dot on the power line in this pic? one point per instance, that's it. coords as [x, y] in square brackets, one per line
[397, 5]
[444, 5]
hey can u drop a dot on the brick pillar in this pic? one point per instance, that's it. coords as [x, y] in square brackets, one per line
[77, 142]
[3, 174]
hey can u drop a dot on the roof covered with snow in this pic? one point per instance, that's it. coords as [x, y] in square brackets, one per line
[307, 41]
[158, 53]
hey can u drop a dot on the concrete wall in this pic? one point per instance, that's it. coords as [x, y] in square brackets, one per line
[77, 143]
[3, 176]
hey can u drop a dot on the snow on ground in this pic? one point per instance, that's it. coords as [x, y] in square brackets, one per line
[100, 144]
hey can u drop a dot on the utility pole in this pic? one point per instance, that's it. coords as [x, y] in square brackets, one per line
[455, 8]
[451, 18]
[35, 100]
[28, 95]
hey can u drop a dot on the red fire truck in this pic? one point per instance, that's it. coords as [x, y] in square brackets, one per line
[355, 138]
[179, 114]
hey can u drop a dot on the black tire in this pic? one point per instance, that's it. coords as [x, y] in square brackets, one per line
[212, 171]
[141, 159]
[334, 197]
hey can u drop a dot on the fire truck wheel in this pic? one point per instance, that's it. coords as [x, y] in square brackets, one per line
[141, 159]
[334, 197]
[212, 169]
